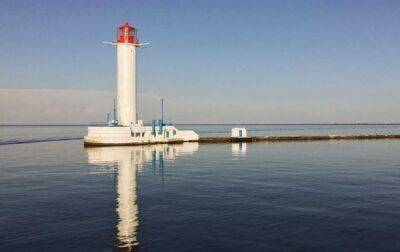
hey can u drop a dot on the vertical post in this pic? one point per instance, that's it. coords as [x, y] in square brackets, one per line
[153, 127]
[161, 121]
[160, 128]
[115, 113]
[162, 109]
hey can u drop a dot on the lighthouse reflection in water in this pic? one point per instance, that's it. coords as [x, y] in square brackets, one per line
[130, 161]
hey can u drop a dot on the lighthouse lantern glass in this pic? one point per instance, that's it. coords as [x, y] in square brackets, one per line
[126, 34]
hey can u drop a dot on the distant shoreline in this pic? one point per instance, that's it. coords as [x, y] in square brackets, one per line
[201, 124]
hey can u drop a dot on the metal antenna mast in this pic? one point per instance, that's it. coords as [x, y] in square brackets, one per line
[162, 109]
[115, 113]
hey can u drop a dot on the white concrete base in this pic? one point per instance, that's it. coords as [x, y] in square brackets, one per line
[137, 135]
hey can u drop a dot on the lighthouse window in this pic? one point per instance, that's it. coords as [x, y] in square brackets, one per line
[174, 132]
[138, 134]
[143, 134]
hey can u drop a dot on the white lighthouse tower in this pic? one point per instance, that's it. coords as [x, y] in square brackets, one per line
[126, 44]
[128, 130]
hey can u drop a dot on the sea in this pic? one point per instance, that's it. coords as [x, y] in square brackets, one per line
[57, 195]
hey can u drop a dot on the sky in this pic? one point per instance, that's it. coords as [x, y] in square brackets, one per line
[213, 61]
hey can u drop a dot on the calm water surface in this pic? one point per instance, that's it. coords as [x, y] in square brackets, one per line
[298, 196]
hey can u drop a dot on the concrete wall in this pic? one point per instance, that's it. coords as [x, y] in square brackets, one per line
[137, 134]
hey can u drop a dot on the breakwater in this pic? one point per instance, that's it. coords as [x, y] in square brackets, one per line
[294, 138]
[222, 139]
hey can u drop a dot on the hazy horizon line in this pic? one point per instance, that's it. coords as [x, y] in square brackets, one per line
[97, 124]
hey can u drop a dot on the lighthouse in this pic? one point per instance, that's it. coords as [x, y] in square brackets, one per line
[128, 130]
[126, 44]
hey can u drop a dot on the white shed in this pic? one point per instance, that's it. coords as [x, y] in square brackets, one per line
[239, 132]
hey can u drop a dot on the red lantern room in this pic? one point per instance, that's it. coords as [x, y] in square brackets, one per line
[126, 33]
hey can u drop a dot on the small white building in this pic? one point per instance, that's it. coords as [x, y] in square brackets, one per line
[239, 132]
